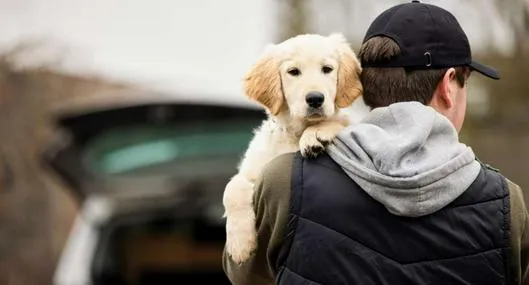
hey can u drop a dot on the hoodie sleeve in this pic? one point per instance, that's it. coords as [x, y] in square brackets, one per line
[519, 235]
[271, 204]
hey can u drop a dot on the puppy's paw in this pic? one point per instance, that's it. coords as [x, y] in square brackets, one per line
[241, 236]
[325, 134]
[315, 138]
[309, 144]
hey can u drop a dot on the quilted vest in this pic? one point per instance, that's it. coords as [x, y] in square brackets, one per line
[337, 234]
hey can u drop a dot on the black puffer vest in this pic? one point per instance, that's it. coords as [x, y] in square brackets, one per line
[337, 234]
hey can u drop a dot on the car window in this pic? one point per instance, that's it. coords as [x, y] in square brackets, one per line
[145, 149]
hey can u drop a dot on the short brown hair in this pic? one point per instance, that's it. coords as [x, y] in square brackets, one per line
[385, 86]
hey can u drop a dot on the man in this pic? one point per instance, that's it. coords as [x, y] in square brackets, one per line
[396, 199]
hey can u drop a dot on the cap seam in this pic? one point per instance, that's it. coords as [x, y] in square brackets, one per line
[391, 35]
[435, 27]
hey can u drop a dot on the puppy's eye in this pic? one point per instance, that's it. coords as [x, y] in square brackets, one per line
[327, 69]
[294, 71]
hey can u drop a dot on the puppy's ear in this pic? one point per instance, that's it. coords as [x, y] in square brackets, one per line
[263, 82]
[349, 86]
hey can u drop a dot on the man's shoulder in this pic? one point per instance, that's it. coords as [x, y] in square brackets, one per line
[517, 199]
[275, 179]
[516, 195]
[515, 191]
[279, 165]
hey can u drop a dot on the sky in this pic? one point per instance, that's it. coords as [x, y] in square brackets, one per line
[199, 46]
[172, 45]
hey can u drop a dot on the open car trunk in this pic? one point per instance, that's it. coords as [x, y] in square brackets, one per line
[159, 248]
[149, 177]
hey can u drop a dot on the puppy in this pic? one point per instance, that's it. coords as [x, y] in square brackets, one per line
[302, 83]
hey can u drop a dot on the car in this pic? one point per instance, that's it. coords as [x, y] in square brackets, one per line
[148, 171]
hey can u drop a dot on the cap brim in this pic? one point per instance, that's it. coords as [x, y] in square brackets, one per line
[485, 70]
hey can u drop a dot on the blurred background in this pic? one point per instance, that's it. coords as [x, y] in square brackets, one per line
[81, 81]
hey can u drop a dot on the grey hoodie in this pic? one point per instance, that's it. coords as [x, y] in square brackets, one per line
[408, 157]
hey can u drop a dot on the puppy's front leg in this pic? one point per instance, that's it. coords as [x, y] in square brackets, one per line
[315, 138]
[241, 236]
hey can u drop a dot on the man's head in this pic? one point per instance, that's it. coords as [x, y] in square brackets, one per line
[418, 52]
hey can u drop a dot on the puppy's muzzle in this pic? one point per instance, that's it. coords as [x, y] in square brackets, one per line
[315, 99]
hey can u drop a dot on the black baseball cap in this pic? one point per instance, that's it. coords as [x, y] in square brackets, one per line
[429, 37]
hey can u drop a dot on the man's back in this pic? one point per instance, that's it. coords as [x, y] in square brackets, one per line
[333, 224]
[315, 222]
[469, 237]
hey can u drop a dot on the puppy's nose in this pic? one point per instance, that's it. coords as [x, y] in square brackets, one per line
[315, 99]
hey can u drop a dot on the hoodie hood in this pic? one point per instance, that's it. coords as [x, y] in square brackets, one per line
[408, 157]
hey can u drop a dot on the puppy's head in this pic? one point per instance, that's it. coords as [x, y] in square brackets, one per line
[309, 76]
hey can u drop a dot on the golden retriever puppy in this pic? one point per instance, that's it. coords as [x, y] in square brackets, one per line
[302, 82]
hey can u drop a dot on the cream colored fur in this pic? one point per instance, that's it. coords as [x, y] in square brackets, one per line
[291, 124]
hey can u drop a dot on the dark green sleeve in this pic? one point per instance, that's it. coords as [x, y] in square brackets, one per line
[519, 235]
[271, 204]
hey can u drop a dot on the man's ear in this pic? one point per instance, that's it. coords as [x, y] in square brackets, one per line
[443, 92]
[349, 86]
[263, 82]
